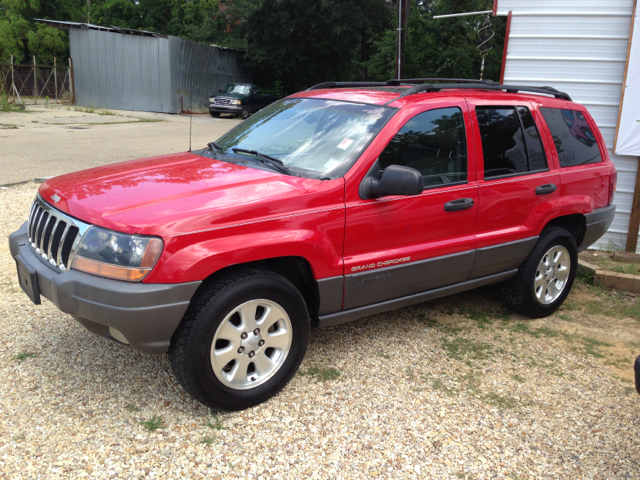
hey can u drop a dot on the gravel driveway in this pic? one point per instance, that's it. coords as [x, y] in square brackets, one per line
[457, 388]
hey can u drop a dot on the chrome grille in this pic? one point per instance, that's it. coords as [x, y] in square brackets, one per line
[54, 235]
[221, 101]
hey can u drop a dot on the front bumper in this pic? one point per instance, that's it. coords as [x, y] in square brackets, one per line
[597, 223]
[232, 109]
[145, 314]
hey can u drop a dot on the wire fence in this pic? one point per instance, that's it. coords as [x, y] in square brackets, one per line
[53, 83]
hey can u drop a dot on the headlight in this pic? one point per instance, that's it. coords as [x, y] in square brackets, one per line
[236, 102]
[117, 255]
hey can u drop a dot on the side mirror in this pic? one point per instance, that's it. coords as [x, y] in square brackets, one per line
[220, 90]
[395, 180]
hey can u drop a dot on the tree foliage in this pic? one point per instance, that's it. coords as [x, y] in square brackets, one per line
[291, 44]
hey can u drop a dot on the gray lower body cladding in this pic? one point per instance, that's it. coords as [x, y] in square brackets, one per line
[147, 315]
[597, 223]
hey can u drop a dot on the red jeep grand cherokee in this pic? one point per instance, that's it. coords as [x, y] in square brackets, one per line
[332, 204]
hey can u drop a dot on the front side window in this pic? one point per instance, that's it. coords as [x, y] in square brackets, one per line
[575, 142]
[321, 136]
[510, 141]
[434, 143]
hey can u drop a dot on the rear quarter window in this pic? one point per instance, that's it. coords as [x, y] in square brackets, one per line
[575, 142]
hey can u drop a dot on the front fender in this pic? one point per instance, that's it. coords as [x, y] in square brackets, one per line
[316, 237]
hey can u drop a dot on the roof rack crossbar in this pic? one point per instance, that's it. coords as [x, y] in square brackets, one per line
[428, 87]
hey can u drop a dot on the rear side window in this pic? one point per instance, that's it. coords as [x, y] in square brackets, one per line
[575, 142]
[510, 141]
[434, 143]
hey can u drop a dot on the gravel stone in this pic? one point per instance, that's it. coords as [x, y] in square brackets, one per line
[429, 391]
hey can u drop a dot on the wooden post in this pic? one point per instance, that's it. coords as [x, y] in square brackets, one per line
[35, 82]
[634, 221]
[72, 82]
[55, 77]
[13, 85]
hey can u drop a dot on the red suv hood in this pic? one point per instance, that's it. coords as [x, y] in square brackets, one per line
[172, 194]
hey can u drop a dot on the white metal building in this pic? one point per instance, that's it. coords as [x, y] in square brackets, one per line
[579, 47]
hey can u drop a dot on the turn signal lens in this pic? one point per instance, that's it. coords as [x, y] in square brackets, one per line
[110, 271]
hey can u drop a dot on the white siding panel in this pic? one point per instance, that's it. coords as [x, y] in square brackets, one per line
[579, 71]
[592, 25]
[612, 6]
[567, 47]
[579, 47]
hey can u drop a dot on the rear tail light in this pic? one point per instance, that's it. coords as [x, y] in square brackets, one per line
[613, 182]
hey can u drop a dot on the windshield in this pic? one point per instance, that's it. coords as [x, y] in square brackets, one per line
[323, 136]
[242, 89]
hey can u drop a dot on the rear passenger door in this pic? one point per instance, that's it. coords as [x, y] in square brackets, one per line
[400, 245]
[518, 189]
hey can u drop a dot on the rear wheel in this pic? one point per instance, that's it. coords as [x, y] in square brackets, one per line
[545, 278]
[241, 340]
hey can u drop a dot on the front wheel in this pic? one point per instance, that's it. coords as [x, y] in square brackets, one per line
[215, 114]
[245, 113]
[241, 340]
[545, 278]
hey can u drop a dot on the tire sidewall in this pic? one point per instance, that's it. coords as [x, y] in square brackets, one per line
[555, 238]
[244, 114]
[209, 319]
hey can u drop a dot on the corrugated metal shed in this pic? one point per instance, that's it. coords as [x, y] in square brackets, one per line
[149, 73]
[579, 47]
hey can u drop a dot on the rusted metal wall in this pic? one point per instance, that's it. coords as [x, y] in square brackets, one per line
[199, 70]
[153, 74]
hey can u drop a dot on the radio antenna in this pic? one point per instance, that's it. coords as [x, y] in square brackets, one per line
[190, 122]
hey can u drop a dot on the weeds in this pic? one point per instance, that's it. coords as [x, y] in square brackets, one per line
[462, 348]
[216, 424]
[500, 401]
[132, 408]
[584, 276]
[19, 437]
[24, 355]
[384, 355]
[8, 126]
[153, 423]
[208, 440]
[629, 390]
[428, 321]
[106, 112]
[518, 378]
[321, 374]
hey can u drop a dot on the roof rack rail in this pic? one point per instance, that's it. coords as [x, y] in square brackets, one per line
[486, 85]
[436, 87]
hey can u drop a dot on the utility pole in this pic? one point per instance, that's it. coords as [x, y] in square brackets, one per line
[403, 18]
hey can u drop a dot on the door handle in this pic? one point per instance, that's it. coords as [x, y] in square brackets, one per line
[460, 204]
[544, 189]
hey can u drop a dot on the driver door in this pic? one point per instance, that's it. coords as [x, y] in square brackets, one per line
[400, 245]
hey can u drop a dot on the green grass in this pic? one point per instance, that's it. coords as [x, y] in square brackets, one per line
[585, 277]
[106, 112]
[590, 345]
[321, 374]
[19, 437]
[518, 378]
[629, 390]
[632, 310]
[480, 317]
[206, 440]
[384, 355]
[564, 317]
[461, 348]
[525, 328]
[500, 401]
[132, 408]
[8, 126]
[154, 423]
[428, 321]
[24, 355]
[216, 424]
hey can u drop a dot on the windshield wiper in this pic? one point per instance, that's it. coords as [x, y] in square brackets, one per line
[274, 162]
[215, 148]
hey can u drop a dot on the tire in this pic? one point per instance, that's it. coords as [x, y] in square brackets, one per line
[537, 291]
[205, 351]
[244, 114]
[215, 114]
